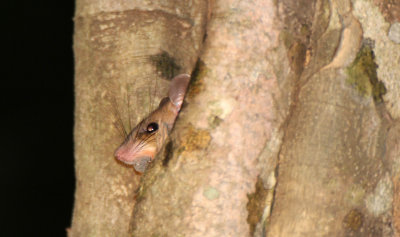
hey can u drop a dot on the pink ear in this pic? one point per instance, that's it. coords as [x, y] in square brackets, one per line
[178, 88]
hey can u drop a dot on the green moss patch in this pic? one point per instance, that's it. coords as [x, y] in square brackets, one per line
[363, 77]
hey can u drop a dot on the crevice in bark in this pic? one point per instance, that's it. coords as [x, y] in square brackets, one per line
[299, 45]
[196, 82]
[256, 205]
[161, 163]
[168, 153]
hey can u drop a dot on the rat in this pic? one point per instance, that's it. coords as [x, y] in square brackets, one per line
[147, 138]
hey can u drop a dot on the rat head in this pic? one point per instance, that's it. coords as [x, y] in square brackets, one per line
[147, 138]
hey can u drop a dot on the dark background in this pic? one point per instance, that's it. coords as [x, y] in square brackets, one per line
[37, 175]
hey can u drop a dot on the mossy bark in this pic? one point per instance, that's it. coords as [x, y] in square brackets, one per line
[335, 177]
[290, 126]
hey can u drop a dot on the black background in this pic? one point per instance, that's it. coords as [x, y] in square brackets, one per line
[37, 175]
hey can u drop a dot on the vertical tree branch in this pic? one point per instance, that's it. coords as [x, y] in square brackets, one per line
[121, 49]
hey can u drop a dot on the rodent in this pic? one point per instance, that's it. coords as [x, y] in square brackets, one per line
[147, 138]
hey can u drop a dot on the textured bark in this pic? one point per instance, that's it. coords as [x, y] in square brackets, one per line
[202, 190]
[290, 126]
[124, 51]
[335, 177]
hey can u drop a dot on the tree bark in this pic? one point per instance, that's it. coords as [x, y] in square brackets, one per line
[125, 51]
[290, 126]
[335, 174]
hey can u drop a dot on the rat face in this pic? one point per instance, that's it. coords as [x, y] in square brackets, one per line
[140, 146]
[147, 138]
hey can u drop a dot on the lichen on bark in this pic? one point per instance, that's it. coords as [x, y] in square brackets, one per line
[363, 76]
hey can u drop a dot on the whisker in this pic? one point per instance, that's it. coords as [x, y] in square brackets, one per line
[146, 140]
[119, 122]
[120, 131]
[143, 144]
[128, 102]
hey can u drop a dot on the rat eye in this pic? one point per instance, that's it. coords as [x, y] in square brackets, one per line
[152, 127]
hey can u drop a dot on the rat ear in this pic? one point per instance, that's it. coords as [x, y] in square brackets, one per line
[178, 88]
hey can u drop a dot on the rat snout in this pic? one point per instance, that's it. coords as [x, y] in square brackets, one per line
[138, 158]
[123, 153]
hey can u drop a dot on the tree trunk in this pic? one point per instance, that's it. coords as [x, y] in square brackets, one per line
[290, 126]
[125, 52]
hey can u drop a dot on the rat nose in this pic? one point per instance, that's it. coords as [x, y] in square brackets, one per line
[121, 154]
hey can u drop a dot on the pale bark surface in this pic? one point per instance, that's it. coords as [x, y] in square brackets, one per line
[221, 133]
[286, 129]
